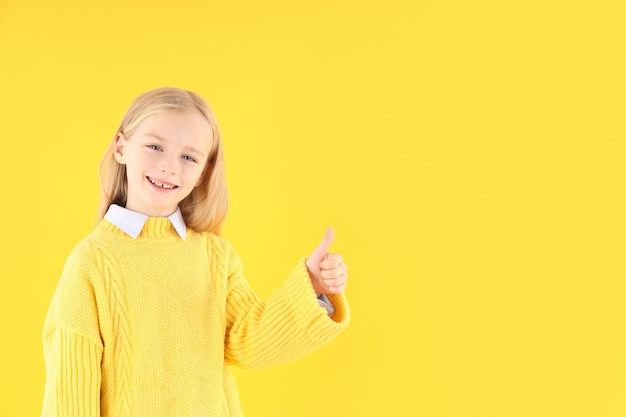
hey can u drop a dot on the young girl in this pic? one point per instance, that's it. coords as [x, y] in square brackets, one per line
[152, 307]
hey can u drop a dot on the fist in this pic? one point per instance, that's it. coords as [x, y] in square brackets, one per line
[327, 270]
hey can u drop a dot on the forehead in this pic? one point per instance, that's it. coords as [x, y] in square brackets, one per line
[187, 128]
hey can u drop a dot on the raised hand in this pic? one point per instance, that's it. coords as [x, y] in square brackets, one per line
[327, 270]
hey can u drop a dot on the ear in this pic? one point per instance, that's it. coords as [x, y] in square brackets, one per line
[118, 152]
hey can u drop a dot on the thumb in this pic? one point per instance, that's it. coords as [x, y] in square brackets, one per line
[322, 249]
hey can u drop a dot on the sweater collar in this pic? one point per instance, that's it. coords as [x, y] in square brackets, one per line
[131, 222]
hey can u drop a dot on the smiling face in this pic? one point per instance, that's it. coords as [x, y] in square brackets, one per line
[165, 158]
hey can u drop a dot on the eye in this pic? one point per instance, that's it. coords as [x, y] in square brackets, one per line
[189, 158]
[155, 147]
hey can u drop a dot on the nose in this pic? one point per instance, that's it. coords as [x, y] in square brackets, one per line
[168, 165]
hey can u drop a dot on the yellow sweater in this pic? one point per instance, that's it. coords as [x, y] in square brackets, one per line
[149, 326]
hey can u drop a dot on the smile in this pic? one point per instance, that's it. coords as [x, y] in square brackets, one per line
[162, 185]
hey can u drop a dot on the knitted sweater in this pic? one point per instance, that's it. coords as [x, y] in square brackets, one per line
[149, 326]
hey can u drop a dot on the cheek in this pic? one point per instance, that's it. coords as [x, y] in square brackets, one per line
[192, 173]
[134, 166]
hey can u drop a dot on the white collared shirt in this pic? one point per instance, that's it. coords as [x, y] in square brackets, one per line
[131, 222]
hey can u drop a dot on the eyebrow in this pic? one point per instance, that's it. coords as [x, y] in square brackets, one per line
[187, 148]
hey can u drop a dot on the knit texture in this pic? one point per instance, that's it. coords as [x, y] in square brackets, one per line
[149, 326]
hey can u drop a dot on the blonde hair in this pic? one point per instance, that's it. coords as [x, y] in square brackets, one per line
[205, 208]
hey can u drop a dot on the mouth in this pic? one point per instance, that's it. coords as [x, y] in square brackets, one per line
[161, 184]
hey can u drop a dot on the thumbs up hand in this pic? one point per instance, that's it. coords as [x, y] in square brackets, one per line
[327, 270]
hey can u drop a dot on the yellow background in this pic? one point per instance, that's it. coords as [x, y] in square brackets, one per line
[470, 155]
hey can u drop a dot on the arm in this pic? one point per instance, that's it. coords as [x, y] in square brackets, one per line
[72, 345]
[289, 325]
[73, 375]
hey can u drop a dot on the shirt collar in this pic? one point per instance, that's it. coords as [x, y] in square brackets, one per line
[131, 222]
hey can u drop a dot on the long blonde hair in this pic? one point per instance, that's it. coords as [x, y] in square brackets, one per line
[205, 208]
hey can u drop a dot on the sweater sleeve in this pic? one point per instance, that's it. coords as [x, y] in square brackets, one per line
[289, 325]
[73, 375]
[72, 344]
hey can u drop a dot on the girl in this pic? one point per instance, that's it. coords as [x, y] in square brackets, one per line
[152, 307]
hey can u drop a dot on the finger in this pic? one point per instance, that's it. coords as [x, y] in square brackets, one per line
[336, 282]
[333, 273]
[336, 290]
[322, 249]
[333, 260]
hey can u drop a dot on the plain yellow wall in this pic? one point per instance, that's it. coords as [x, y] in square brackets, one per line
[470, 155]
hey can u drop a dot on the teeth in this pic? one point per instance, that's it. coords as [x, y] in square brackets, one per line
[160, 184]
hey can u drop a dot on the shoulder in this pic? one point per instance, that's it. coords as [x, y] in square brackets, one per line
[83, 252]
[218, 248]
[87, 255]
[86, 248]
[73, 302]
[210, 239]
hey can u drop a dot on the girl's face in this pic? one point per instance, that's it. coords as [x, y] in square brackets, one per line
[164, 159]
